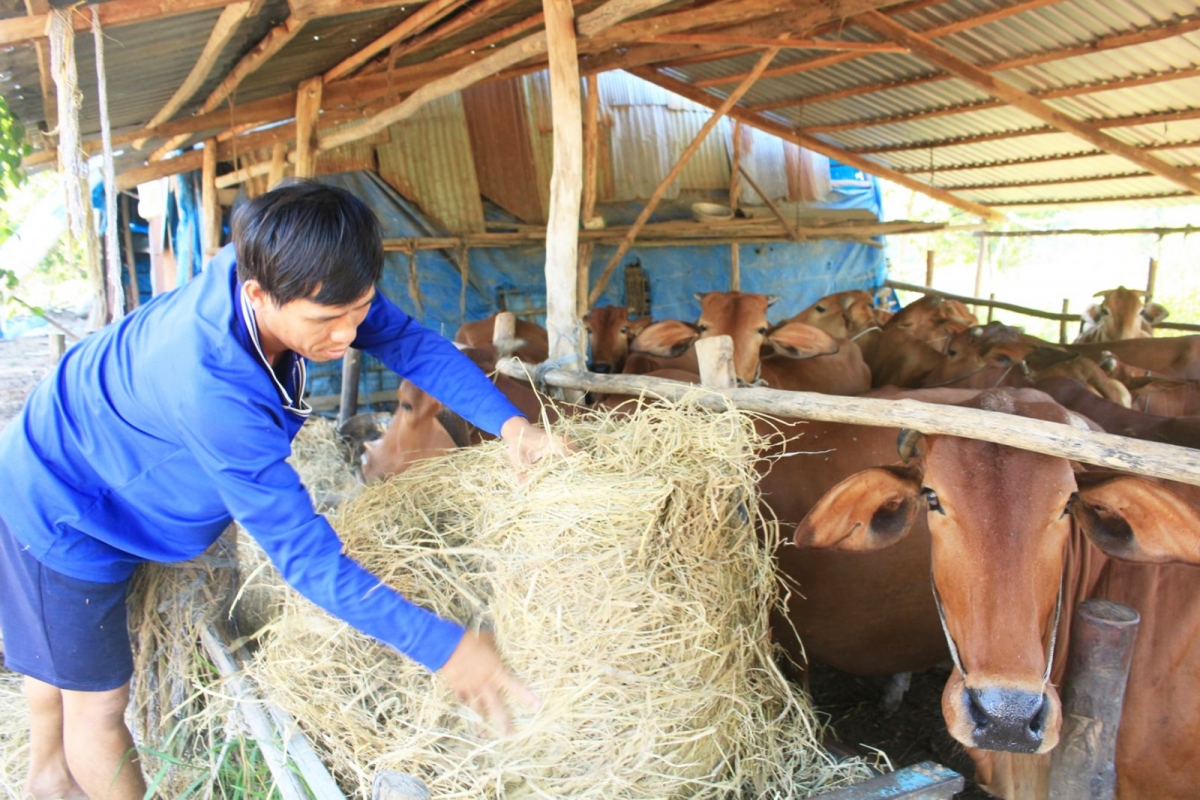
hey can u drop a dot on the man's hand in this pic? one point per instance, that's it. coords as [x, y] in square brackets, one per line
[476, 674]
[527, 443]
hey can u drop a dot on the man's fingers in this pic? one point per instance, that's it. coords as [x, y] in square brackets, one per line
[497, 713]
[522, 693]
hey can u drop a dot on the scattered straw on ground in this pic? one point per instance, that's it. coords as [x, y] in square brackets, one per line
[322, 458]
[627, 585]
[14, 735]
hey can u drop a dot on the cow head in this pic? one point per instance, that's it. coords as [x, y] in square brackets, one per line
[843, 315]
[611, 330]
[420, 428]
[1123, 314]
[1001, 520]
[933, 320]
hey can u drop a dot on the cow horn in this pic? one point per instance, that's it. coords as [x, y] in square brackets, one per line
[907, 444]
[846, 302]
[772, 299]
[1102, 294]
[699, 295]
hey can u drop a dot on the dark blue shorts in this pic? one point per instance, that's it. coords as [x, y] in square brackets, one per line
[66, 632]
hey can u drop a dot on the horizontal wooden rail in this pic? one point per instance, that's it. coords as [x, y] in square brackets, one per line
[1029, 312]
[1166, 461]
[1186, 230]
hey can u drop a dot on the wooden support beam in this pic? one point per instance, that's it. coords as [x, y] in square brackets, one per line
[224, 29]
[245, 173]
[591, 151]
[210, 207]
[460, 22]
[279, 160]
[787, 226]
[45, 74]
[720, 111]
[563, 324]
[427, 15]
[271, 44]
[113, 14]
[590, 24]
[502, 35]
[1022, 100]
[787, 44]
[308, 109]
[847, 157]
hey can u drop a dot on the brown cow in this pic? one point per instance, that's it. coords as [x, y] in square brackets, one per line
[1114, 418]
[1121, 314]
[423, 428]
[610, 331]
[1167, 397]
[1174, 357]
[911, 344]
[1015, 541]
[536, 343]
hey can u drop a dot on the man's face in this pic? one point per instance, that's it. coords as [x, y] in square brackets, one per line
[316, 332]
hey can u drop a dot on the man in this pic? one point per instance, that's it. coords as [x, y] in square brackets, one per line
[154, 432]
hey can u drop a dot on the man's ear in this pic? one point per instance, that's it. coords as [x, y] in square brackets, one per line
[799, 340]
[259, 297]
[869, 510]
[669, 338]
[1136, 519]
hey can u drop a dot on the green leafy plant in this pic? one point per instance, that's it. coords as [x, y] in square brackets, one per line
[13, 149]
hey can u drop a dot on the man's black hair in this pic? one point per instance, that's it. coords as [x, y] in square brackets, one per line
[308, 240]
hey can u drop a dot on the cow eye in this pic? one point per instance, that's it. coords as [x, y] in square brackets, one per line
[952, 352]
[1103, 311]
[625, 330]
[820, 309]
[406, 407]
[701, 327]
[932, 499]
[763, 331]
[1070, 503]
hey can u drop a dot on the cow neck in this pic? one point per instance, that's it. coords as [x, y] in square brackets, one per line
[954, 656]
[299, 406]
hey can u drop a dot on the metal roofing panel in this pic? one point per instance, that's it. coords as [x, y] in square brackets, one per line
[641, 156]
[1119, 187]
[429, 159]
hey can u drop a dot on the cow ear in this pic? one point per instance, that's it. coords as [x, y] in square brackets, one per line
[669, 338]
[1092, 313]
[800, 340]
[1154, 313]
[869, 510]
[1135, 519]
[637, 325]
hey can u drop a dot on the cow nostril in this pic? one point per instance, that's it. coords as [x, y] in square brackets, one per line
[1038, 723]
[975, 708]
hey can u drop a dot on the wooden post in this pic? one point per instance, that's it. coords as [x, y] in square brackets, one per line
[735, 193]
[210, 205]
[1102, 639]
[686, 156]
[715, 356]
[308, 109]
[591, 144]
[1152, 278]
[991, 308]
[58, 346]
[735, 260]
[1062, 325]
[351, 371]
[929, 268]
[505, 328]
[132, 299]
[278, 165]
[566, 186]
[979, 261]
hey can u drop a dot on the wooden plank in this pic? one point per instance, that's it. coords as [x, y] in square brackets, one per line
[308, 109]
[315, 9]
[271, 44]
[676, 170]
[847, 157]
[460, 22]
[563, 323]
[418, 21]
[210, 207]
[113, 14]
[1167, 461]
[1022, 100]
[786, 44]
[715, 357]
[589, 25]
[244, 174]
[924, 781]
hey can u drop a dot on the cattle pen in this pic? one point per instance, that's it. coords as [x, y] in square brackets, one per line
[545, 159]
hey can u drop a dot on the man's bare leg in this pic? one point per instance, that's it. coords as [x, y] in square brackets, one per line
[99, 747]
[48, 776]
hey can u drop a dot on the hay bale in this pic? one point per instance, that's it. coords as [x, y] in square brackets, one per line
[322, 458]
[629, 586]
[14, 735]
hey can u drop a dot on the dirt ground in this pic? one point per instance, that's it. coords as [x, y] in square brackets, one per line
[914, 733]
[23, 362]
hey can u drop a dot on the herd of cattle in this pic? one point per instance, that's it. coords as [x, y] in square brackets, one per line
[1013, 540]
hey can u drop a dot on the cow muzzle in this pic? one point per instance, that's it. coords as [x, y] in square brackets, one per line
[1005, 718]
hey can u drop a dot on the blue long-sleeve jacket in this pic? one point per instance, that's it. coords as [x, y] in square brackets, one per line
[155, 432]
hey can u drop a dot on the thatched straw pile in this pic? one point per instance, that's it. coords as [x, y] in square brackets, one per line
[14, 735]
[322, 458]
[628, 585]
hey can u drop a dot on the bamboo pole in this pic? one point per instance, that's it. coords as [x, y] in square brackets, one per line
[1062, 325]
[1166, 461]
[308, 109]
[1151, 278]
[691, 149]
[929, 267]
[563, 323]
[210, 205]
[591, 144]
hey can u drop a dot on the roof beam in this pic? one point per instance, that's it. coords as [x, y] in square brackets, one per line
[271, 44]
[765, 41]
[1126, 39]
[1023, 100]
[476, 13]
[1079, 200]
[224, 29]
[816, 145]
[429, 14]
[45, 77]
[113, 14]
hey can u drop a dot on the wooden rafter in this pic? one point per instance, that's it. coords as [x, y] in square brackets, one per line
[456, 24]
[224, 29]
[763, 41]
[1018, 162]
[1127, 39]
[929, 50]
[114, 14]
[45, 77]
[417, 22]
[1079, 200]
[941, 30]
[816, 145]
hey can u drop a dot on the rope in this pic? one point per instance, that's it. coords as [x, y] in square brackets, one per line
[70, 151]
[112, 251]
